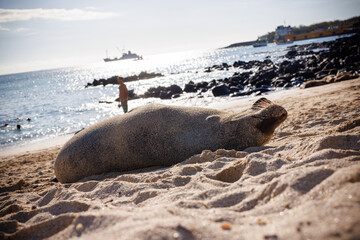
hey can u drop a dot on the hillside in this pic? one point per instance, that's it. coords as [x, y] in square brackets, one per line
[352, 23]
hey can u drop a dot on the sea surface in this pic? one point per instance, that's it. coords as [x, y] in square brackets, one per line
[55, 102]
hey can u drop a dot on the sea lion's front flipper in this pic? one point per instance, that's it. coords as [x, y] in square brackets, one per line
[261, 103]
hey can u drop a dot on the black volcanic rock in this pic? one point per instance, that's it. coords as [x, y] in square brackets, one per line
[190, 87]
[201, 85]
[162, 92]
[291, 54]
[113, 79]
[293, 67]
[220, 90]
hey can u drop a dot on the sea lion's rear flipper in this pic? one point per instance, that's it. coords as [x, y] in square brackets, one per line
[261, 103]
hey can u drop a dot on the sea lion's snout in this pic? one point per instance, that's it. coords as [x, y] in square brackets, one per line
[279, 115]
[270, 116]
[276, 112]
[270, 111]
[283, 116]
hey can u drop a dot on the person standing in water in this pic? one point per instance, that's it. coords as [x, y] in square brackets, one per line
[123, 95]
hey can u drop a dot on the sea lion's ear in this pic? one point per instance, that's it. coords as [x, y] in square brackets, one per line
[261, 103]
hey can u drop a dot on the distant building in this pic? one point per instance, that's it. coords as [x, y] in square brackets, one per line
[331, 31]
[280, 34]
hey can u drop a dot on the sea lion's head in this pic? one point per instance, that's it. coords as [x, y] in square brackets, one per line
[255, 127]
[269, 115]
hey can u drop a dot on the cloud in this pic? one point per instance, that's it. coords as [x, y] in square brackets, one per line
[16, 30]
[21, 30]
[13, 15]
[4, 29]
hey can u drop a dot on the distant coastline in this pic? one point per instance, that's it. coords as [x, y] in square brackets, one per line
[352, 26]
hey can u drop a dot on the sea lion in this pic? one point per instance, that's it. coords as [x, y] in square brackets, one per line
[160, 135]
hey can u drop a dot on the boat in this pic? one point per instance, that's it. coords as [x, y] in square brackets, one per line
[139, 58]
[125, 56]
[260, 42]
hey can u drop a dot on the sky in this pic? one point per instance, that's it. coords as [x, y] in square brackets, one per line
[43, 34]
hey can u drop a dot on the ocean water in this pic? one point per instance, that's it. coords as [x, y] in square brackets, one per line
[56, 103]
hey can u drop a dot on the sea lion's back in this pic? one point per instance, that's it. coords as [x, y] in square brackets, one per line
[146, 136]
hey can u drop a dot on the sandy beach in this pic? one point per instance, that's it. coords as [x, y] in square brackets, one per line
[304, 184]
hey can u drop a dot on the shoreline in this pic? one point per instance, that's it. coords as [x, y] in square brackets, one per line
[35, 145]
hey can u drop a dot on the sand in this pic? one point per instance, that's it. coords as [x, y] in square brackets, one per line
[304, 184]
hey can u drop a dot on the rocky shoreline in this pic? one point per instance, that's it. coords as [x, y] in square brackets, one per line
[113, 79]
[302, 64]
[305, 65]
